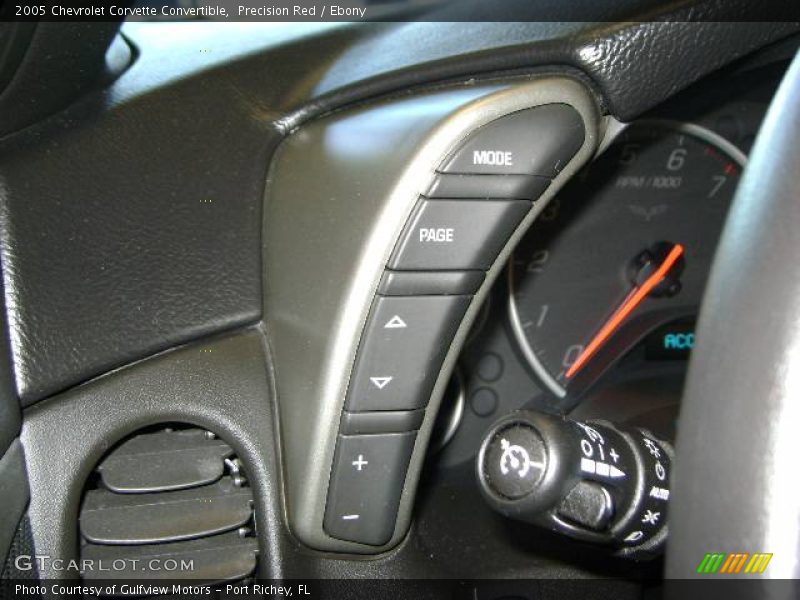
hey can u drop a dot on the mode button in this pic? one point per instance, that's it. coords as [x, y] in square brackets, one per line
[536, 141]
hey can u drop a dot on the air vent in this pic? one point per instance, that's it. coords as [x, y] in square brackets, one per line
[169, 503]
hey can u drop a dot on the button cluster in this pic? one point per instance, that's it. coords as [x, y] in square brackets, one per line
[404, 335]
[479, 196]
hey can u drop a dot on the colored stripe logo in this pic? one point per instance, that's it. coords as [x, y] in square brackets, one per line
[734, 563]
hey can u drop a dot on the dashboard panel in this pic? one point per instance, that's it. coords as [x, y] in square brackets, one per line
[285, 391]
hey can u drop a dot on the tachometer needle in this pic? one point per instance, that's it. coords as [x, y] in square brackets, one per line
[631, 301]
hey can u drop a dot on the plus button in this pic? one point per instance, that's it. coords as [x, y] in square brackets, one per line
[360, 463]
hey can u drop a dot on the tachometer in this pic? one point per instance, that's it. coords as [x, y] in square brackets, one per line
[623, 251]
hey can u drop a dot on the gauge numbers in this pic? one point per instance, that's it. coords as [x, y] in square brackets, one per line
[661, 185]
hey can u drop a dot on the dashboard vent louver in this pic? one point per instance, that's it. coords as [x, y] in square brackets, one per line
[169, 503]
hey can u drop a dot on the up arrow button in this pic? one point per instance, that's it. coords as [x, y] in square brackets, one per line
[395, 323]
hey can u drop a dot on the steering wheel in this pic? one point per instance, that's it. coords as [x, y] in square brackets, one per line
[738, 448]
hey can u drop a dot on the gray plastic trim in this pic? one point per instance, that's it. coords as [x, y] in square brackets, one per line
[339, 193]
[13, 494]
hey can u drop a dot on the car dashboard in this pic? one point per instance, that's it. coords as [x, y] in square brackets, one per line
[384, 309]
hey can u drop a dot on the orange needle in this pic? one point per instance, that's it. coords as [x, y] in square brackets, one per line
[632, 300]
